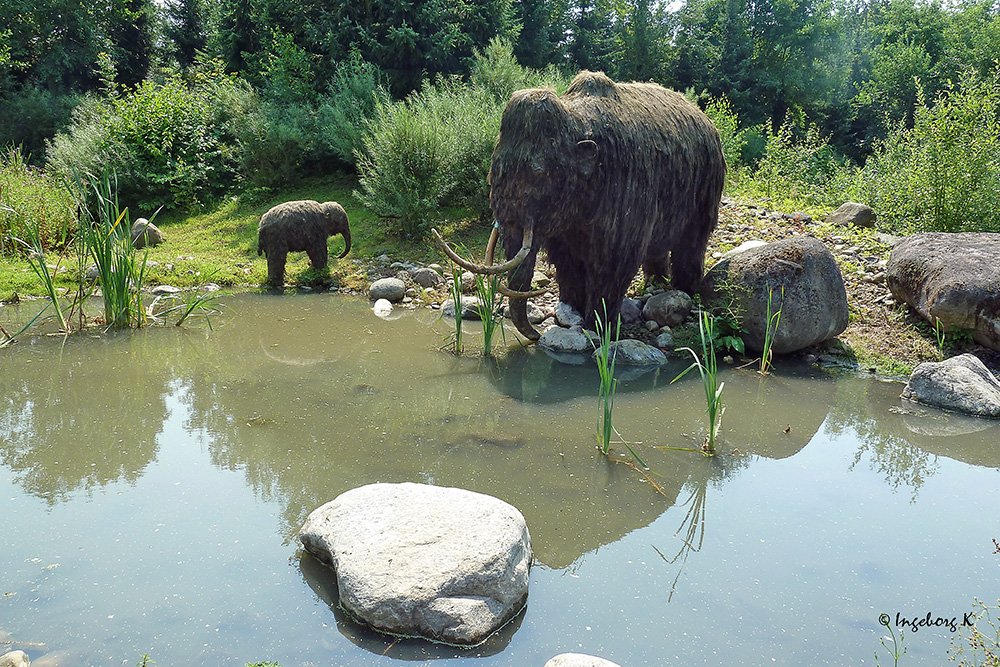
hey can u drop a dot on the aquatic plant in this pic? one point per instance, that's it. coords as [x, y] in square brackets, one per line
[36, 259]
[897, 650]
[104, 231]
[204, 303]
[606, 367]
[456, 297]
[606, 358]
[487, 289]
[974, 645]
[773, 319]
[708, 370]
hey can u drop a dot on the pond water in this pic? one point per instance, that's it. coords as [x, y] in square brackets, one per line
[152, 484]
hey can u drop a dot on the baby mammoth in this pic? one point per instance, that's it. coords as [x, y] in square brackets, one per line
[300, 226]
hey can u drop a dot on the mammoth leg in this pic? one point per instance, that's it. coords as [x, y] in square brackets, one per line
[687, 258]
[276, 267]
[318, 255]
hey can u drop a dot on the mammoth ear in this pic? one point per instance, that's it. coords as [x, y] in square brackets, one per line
[587, 156]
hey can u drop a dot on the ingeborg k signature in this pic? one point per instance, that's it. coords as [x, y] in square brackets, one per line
[929, 621]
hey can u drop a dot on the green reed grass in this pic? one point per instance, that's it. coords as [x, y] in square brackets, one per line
[708, 370]
[36, 259]
[105, 231]
[773, 319]
[456, 296]
[194, 302]
[606, 355]
[609, 384]
[487, 289]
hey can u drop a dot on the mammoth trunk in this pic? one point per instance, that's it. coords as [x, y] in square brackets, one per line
[347, 243]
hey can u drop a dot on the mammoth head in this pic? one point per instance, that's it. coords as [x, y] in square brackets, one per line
[336, 223]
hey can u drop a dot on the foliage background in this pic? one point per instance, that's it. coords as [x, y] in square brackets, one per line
[893, 102]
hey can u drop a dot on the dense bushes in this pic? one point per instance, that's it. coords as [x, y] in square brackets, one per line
[171, 143]
[433, 149]
[943, 174]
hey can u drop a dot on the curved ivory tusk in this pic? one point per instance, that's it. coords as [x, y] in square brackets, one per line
[514, 294]
[493, 269]
[492, 245]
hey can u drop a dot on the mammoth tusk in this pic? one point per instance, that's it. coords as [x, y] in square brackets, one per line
[492, 269]
[492, 245]
[514, 294]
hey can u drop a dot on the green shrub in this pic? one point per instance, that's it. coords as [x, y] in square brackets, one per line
[274, 142]
[433, 149]
[799, 168]
[350, 102]
[734, 139]
[171, 143]
[944, 173]
[32, 201]
[496, 72]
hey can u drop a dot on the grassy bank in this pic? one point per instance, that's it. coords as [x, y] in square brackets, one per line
[220, 246]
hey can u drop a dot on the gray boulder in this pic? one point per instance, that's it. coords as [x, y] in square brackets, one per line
[536, 314]
[441, 563]
[470, 308]
[144, 233]
[813, 304]
[579, 660]
[392, 289]
[961, 383]
[426, 277]
[567, 316]
[629, 352]
[14, 659]
[559, 339]
[852, 213]
[954, 278]
[665, 341]
[631, 311]
[667, 309]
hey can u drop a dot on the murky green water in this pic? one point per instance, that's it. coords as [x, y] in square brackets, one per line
[152, 484]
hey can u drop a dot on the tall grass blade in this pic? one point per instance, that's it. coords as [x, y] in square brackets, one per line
[36, 259]
[708, 370]
[773, 319]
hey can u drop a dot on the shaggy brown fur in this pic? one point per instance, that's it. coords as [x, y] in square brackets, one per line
[300, 226]
[611, 177]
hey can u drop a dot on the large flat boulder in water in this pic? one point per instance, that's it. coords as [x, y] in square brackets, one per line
[954, 278]
[445, 564]
[801, 278]
[962, 383]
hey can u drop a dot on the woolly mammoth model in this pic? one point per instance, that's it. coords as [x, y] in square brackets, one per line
[300, 226]
[607, 178]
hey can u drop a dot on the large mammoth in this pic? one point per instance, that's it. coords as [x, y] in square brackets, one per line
[300, 226]
[607, 178]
